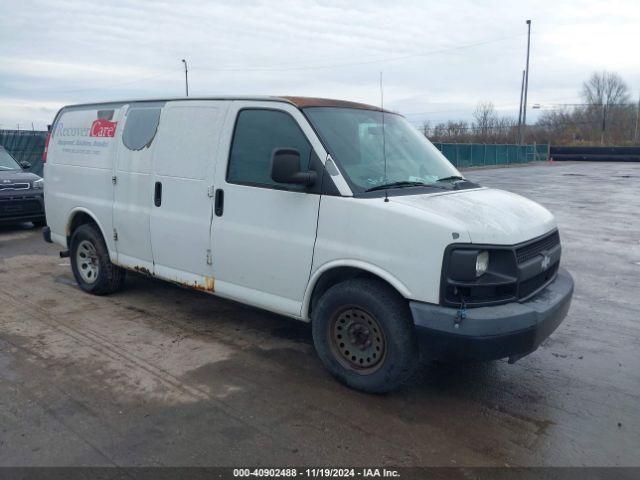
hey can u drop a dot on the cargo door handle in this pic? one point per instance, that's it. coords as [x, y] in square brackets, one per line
[219, 202]
[157, 196]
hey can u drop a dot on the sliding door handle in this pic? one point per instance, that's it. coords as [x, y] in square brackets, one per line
[157, 195]
[219, 202]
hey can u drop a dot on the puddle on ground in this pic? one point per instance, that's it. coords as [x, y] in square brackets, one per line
[63, 279]
[297, 332]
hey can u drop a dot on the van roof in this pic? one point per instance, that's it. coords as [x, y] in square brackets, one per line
[300, 102]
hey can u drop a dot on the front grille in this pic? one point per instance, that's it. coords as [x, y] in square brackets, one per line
[530, 286]
[528, 252]
[14, 186]
[20, 206]
[515, 273]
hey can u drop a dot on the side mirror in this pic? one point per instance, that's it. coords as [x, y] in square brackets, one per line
[285, 168]
[25, 165]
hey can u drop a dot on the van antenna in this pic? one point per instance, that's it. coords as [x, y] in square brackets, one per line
[384, 145]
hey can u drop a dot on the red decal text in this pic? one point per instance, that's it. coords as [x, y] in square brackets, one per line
[103, 128]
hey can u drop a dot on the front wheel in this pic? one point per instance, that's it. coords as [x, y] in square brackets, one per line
[91, 263]
[364, 335]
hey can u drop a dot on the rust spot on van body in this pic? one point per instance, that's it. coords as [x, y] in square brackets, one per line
[209, 285]
[143, 271]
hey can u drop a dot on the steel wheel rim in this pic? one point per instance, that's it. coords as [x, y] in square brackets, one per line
[87, 261]
[357, 340]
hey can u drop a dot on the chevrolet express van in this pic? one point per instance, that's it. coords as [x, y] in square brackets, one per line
[330, 212]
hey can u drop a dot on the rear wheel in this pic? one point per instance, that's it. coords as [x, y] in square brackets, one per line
[363, 333]
[91, 263]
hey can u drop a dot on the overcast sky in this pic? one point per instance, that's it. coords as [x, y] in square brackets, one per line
[438, 58]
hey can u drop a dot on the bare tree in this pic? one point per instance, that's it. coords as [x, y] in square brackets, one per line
[426, 128]
[451, 132]
[608, 116]
[485, 119]
[606, 96]
[605, 88]
[506, 130]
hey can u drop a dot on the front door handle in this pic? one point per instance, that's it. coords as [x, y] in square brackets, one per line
[157, 195]
[219, 202]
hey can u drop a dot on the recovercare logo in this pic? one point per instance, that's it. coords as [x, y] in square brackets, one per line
[93, 140]
[103, 128]
[61, 131]
[99, 128]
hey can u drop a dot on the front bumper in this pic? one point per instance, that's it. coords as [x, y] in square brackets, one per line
[17, 207]
[487, 333]
[46, 234]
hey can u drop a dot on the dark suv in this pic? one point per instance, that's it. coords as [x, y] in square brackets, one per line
[21, 193]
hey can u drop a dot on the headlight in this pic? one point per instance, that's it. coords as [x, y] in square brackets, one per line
[481, 275]
[38, 184]
[482, 263]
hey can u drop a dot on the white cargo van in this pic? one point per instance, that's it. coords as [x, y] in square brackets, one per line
[330, 212]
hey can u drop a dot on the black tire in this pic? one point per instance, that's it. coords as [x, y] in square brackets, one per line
[379, 305]
[107, 277]
[40, 223]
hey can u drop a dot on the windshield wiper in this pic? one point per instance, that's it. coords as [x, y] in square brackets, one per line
[398, 185]
[403, 183]
[452, 177]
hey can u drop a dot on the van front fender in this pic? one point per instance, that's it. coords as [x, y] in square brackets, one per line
[364, 267]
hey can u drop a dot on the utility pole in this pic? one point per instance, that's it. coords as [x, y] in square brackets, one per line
[635, 134]
[520, 110]
[604, 122]
[526, 84]
[186, 77]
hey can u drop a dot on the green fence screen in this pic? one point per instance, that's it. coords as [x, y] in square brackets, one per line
[29, 145]
[480, 154]
[25, 145]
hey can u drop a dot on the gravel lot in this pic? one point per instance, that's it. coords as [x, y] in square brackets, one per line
[158, 375]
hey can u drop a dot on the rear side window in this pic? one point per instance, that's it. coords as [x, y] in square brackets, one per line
[140, 128]
[257, 134]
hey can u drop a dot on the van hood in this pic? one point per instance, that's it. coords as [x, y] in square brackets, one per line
[487, 215]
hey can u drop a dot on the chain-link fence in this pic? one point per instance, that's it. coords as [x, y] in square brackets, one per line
[25, 145]
[480, 154]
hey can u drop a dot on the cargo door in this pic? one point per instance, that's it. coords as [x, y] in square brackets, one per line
[184, 160]
[133, 186]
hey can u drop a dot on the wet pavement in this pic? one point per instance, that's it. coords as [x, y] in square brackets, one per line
[159, 375]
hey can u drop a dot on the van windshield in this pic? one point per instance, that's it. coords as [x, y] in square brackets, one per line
[354, 139]
[7, 162]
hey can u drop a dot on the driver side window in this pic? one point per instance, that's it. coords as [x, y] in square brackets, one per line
[258, 132]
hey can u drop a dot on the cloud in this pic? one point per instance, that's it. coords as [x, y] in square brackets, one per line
[439, 57]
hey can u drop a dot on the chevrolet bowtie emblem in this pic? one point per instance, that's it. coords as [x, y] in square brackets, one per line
[546, 260]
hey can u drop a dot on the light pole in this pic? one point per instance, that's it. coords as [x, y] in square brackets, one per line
[520, 110]
[186, 77]
[526, 84]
